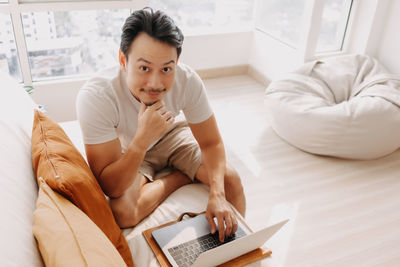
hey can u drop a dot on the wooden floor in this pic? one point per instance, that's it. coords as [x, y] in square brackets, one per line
[342, 212]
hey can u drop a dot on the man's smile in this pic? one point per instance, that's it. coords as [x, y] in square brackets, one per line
[153, 90]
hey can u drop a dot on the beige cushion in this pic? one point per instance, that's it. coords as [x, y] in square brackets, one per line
[67, 237]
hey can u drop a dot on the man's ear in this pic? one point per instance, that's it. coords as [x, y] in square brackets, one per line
[122, 60]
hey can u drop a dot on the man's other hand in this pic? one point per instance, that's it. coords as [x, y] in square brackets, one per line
[219, 208]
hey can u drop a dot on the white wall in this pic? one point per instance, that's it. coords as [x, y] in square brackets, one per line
[58, 98]
[389, 42]
[199, 52]
[216, 51]
[270, 57]
[374, 30]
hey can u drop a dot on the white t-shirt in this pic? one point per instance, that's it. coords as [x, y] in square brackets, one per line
[107, 110]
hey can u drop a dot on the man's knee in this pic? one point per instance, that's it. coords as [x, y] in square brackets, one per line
[233, 183]
[124, 213]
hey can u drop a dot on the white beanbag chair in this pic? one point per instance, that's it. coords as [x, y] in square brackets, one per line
[346, 107]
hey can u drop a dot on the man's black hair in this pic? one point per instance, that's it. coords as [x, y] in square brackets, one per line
[157, 24]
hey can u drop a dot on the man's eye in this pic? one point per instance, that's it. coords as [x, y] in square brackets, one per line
[167, 69]
[144, 68]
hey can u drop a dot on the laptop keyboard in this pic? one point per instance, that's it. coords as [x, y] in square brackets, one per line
[186, 253]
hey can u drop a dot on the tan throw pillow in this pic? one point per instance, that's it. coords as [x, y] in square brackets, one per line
[65, 170]
[67, 237]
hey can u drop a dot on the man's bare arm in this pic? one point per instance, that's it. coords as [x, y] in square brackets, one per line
[116, 171]
[212, 148]
[214, 160]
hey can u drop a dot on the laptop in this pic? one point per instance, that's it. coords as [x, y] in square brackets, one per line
[190, 242]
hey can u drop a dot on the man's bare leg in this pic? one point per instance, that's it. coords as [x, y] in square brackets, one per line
[233, 187]
[142, 197]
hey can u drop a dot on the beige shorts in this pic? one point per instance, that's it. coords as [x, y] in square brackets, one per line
[177, 150]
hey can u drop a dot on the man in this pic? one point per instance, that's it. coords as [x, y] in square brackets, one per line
[136, 149]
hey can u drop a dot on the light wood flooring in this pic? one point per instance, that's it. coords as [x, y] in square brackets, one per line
[342, 212]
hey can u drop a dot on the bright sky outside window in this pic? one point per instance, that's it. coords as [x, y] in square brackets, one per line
[281, 19]
[69, 43]
[9, 62]
[333, 26]
[208, 16]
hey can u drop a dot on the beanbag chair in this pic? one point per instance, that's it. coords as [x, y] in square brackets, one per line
[347, 107]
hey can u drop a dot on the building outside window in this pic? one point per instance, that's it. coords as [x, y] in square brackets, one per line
[67, 43]
[208, 16]
[9, 62]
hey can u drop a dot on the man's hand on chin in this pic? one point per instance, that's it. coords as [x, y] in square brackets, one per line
[153, 123]
[219, 208]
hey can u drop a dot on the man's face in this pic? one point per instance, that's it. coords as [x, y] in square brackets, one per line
[150, 68]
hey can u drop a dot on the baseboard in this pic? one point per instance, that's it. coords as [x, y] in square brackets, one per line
[223, 72]
[258, 76]
[234, 70]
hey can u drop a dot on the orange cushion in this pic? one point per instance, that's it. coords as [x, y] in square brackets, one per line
[59, 163]
[67, 237]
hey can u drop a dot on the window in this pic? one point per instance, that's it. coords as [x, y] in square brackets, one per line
[70, 38]
[282, 19]
[9, 62]
[76, 38]
[333, 26]
[194, 17]
[65, 43]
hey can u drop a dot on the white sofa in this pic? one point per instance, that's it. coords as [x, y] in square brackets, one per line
[17, 182]
[19, 188]
[342, 212]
